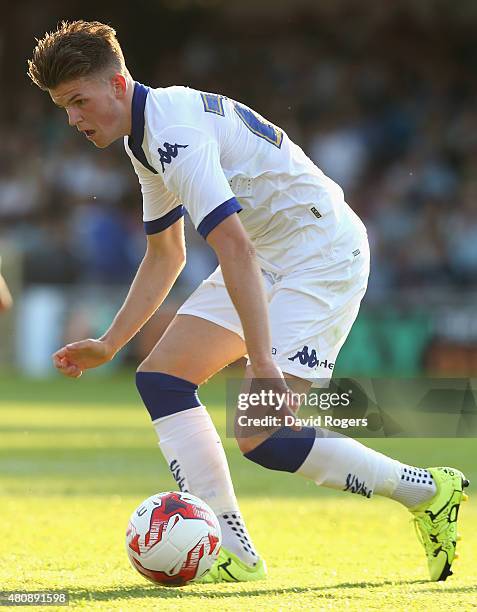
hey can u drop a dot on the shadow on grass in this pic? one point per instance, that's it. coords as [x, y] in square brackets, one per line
[442, 590]
[135, 592]
[432, 588]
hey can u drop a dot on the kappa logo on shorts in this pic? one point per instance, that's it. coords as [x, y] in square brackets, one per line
[311, 359]
[170, 153]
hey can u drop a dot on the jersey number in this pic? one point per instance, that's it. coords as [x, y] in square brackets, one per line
[214, 103]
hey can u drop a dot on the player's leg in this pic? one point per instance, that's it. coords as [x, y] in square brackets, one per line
[311, 314]
[194, 348]
[432, 495]
[337, 461]
[191, 350]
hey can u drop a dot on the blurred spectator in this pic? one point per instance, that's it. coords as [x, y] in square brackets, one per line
[461, 236]
[340, 150]
[383, 100]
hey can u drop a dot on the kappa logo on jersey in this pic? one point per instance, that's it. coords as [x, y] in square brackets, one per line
[310, 359]
[170, 153]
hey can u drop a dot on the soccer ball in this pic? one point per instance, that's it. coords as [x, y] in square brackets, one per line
[173, 538]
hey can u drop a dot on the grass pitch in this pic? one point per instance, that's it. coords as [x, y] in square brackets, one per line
[76, 457]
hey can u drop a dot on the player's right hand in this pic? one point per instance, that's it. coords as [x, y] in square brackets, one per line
[74, 358]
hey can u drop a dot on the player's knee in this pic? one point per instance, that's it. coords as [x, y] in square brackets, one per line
[164, 395]
[147, 366]
[245, 444]
[143, 367]
[285, 450]
[159, 360]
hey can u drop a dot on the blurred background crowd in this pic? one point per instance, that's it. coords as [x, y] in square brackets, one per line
[380, 95]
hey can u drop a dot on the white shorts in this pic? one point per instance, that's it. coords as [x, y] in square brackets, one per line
[311, 312]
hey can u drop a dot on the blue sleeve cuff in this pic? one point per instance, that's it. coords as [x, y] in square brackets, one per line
[159, 225]
[215, 217]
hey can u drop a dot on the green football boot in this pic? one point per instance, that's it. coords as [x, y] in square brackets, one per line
[229, 568]
[436, 520]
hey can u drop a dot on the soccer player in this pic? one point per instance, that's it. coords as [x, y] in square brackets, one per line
[293, 269]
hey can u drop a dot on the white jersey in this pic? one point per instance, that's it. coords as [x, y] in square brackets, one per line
[214, 157]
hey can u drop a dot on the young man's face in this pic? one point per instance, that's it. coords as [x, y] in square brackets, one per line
[96, 106]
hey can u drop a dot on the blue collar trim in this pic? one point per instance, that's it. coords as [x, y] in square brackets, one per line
[137, 125]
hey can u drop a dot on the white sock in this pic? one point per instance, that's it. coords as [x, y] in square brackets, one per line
[195, 455]
[342, 463]
[416, 485]
[238, 539]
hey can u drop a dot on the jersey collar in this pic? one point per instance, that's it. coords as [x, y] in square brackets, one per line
[137, 124]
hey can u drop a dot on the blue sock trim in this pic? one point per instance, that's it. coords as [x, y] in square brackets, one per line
[164, 394]
[285, 450]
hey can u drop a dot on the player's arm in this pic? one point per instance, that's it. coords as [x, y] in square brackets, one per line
[159, 269]
[162, 263]
[6, 300]
[243, 279]
[196, 177]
